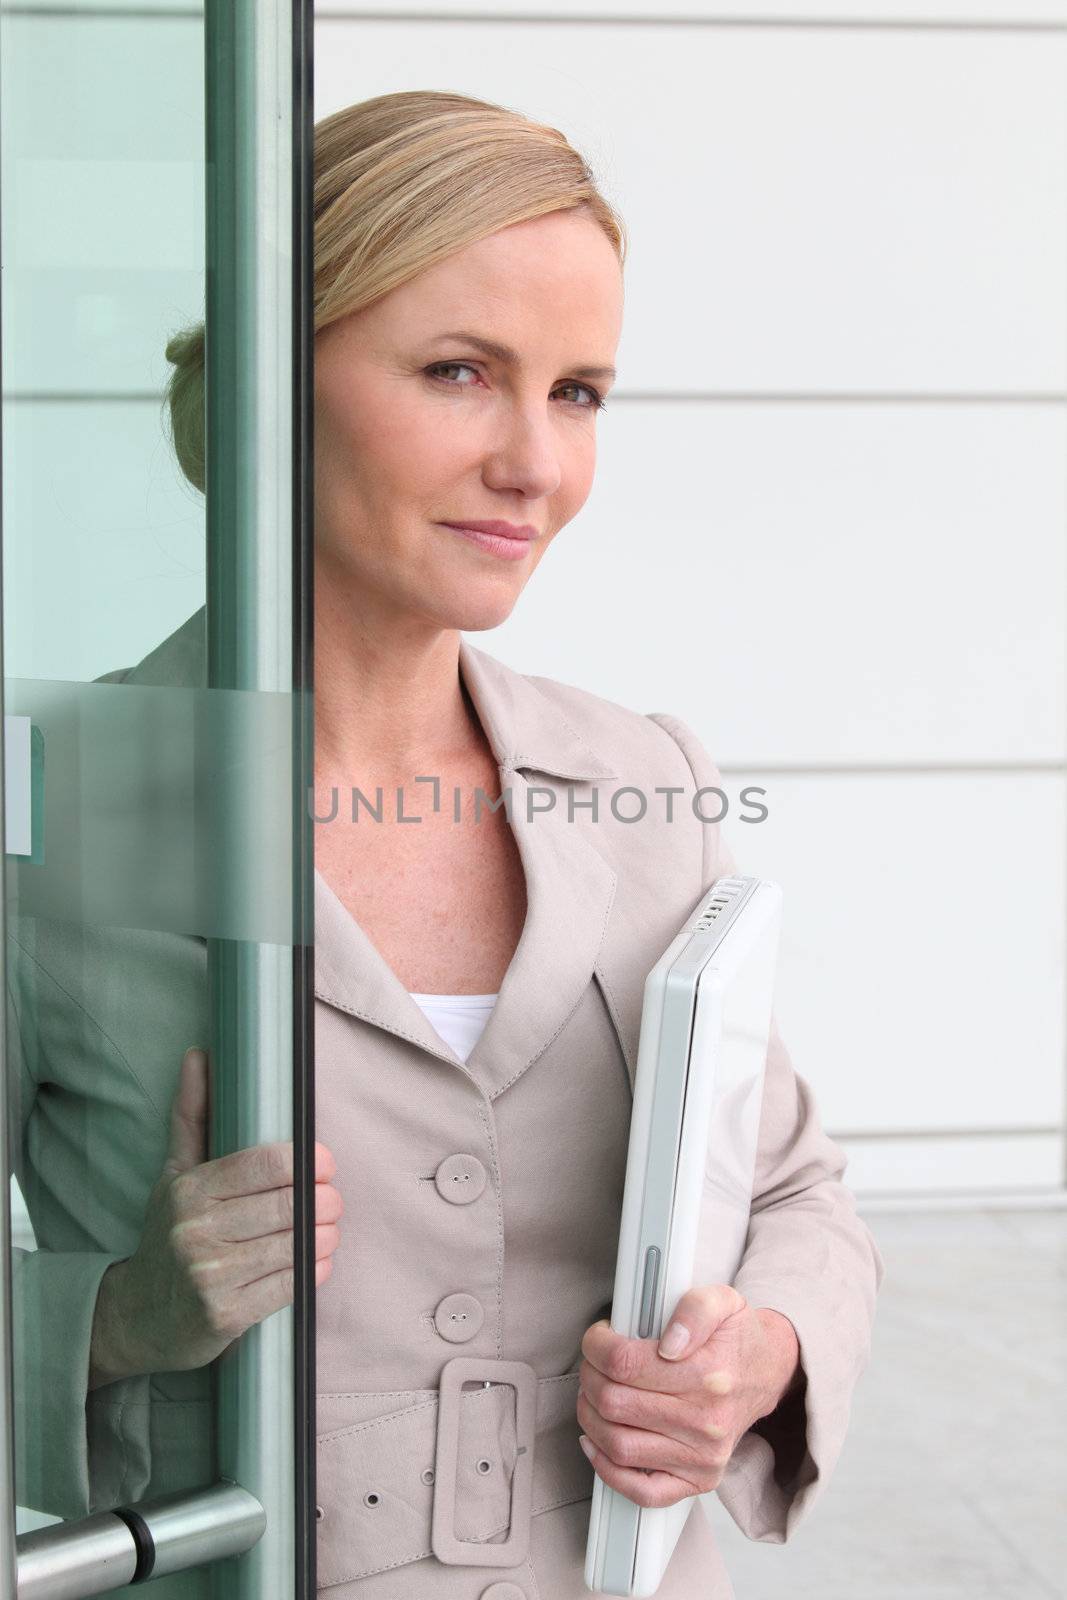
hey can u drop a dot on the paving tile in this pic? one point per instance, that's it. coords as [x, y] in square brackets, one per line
[952, 1483]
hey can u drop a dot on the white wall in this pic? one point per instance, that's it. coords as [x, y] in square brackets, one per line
[828, 528]
[830, 506]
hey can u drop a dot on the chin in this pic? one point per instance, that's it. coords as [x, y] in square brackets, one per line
[473, 610]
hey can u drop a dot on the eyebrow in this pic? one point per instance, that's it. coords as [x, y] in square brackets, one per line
[510, 357]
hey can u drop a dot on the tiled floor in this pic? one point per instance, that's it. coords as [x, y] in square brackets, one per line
[952, 1484]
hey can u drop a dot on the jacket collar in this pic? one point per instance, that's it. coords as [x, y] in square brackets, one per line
[179, 662]
[525, 729]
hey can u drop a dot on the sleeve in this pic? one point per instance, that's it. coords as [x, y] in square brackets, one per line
[76, 1452]
[808, 1255]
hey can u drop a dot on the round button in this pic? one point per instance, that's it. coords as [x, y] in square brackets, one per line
[460, 1179]
[503, 1591]
[458, 1317]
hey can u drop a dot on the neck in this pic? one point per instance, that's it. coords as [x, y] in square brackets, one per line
[388, 695]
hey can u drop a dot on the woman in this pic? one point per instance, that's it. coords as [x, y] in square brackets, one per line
[479, 977]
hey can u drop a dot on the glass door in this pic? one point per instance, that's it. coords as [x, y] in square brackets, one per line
[157, 1287]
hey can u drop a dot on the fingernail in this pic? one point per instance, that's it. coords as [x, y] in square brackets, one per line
[587, 1445]
[674, 1340]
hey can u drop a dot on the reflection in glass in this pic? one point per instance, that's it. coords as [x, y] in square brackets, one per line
[149, 879]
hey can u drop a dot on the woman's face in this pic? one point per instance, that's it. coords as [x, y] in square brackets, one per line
[467, 395]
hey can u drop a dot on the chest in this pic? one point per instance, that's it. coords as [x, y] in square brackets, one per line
[531, 1242]
[442, 899]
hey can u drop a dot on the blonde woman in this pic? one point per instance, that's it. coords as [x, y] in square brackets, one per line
[478, 976]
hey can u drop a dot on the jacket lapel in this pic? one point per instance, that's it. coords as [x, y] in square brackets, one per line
[569, 892]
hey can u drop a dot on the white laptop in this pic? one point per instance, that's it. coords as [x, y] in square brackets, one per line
[698, 1091]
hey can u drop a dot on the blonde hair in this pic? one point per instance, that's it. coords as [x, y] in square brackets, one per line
[401, 182]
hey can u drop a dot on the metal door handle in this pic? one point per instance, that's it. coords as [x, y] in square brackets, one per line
[72, 1560]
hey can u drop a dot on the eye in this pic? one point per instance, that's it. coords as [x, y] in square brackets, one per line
[596, 400]
[450, 366]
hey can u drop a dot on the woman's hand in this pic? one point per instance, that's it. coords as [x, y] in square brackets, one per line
[662, 1429]
[216, 1251]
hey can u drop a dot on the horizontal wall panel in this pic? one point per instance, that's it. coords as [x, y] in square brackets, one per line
[820, 584]
[791, 229]
[95, 482]
[104, 9]
[892, 13]
[961, 1165]
[921, 979]
[742, 12]
[103, 199]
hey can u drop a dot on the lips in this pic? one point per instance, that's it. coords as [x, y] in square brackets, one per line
[501, 530]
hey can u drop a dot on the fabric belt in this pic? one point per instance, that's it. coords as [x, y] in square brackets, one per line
[455, 1473]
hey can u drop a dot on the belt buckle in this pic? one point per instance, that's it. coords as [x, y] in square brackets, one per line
[454, 1374]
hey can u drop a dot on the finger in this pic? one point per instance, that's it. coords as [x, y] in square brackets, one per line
[261, 1257]
[228, 1268]
[232, 1267]
[252, 1216]
[679, 1417]
[327, 1238]
[655, 1488]
[273, 1293]
[636, 1362]
[274, 1253]
[650, 1449]
[325, 1165]
[329, 1203]
[698, 1314]
[187, 1146]
[270, 1294]
[252, 1171]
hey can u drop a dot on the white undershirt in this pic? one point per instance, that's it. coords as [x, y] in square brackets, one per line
[458, 1018]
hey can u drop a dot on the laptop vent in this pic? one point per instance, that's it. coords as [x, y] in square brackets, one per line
[723, 895]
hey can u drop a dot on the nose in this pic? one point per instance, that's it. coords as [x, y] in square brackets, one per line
[525, 455]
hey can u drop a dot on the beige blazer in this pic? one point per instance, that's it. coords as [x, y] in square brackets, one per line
[482, 1199]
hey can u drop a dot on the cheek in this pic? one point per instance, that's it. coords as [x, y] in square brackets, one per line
[401, 451]
[579, 470]
[437, 450]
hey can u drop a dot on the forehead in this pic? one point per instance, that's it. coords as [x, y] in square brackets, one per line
[557, 274]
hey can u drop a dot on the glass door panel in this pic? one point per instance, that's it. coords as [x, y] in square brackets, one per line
[154, 179]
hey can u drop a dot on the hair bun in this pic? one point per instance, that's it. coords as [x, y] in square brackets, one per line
[186, 348]
[185, 402]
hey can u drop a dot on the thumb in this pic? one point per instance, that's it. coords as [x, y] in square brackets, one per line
[188, 1116]
[696, 1316]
